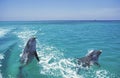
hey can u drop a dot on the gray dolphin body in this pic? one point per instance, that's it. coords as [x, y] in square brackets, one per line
[29, 52]
[90, 59]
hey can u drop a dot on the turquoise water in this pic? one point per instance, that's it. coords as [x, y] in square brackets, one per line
[58, 44]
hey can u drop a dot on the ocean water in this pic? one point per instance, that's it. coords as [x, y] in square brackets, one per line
[59, 43]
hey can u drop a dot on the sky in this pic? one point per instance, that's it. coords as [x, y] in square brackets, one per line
[34, 10]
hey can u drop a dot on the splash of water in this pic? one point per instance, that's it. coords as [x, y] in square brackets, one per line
[53, 63]
[3, 31]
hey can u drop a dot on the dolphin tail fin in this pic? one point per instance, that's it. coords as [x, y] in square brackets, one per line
[36, 56]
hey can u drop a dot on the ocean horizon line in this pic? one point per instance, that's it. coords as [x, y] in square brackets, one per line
[55, 20]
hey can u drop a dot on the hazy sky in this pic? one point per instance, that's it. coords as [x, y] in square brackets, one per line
[59, 9]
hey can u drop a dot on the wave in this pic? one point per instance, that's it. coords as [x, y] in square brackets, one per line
[3, 31]
[25, 35]
[53, 63]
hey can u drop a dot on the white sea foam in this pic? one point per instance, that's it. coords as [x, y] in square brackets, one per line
[25, 35]
[1, 57]
[3, 31]
[53, 63]
[102, 74]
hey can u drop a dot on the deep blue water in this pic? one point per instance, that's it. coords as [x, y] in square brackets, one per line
[58, 44]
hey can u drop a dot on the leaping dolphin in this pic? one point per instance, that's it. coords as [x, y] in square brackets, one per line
[29, 52]
[90, 59]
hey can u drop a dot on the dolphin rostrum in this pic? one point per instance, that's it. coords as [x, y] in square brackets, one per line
[90, 59]
[29, 52]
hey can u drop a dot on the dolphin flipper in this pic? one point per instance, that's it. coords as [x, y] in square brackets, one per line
[96, 63]
[36, 56]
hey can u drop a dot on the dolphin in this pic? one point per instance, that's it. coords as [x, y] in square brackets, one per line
[27, 56]
[90, 59]
[29, 52]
